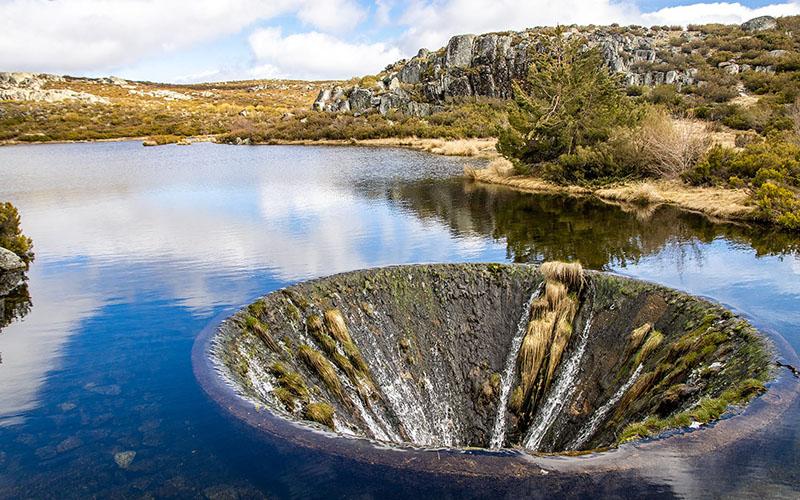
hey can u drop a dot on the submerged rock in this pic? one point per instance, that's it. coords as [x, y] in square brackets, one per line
[485, 355]
[124, 458]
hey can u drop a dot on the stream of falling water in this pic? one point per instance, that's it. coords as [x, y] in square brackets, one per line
[499, 430]
[561, 391]
[601, 413]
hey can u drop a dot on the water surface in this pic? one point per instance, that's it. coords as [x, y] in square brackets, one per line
[138, 249]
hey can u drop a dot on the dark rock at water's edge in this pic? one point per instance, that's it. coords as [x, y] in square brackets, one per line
[487, 65]
[12, 269]
[14, 298]
[488, 355]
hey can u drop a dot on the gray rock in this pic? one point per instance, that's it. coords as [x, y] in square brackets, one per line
[760, 24]
[360, 99]
[459, 51]
[9, 261]
[124, 458]
[69, 444]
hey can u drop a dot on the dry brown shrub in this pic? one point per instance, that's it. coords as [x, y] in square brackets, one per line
[671, 147]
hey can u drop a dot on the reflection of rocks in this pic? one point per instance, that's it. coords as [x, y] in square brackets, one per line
[15, 305]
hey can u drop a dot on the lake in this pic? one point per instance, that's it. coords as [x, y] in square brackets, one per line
[139, 249]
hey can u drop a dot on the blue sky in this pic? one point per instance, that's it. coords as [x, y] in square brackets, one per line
[211, 40]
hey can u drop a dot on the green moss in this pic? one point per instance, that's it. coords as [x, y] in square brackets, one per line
[257, 308]
[291, 386]
[705, 411]
[321, 413]
[261, 330]
[286, 397]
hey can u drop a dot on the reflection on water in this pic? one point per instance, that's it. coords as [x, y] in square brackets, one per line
[14, 305]
[139, 248]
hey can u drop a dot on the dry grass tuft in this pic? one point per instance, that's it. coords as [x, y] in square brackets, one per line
[637, 337]
[549, 329]
[336, 325]
[535, 347]
[653, 341]
[461, 147]
[338, 328]
[317, 362]
[320, 412]
[501, 167]
[561, 336]
[554, 293]
[471, 172]
[261, 331]
[570, 274]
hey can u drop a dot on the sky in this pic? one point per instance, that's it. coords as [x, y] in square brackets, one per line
[182, 41]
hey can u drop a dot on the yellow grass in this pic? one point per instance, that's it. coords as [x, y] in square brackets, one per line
[549, 328]
[716, 202]
[653, 341]
[637, 337]
[568, 273]
[320, 412]
[324, 369]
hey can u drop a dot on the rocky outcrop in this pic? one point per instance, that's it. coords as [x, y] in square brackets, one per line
[34, 87]
[11, 271]
[760, 24]
[486, 355]
[487, 65]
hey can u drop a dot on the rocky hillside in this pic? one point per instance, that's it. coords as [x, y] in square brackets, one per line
[37, 107]
[487, 65]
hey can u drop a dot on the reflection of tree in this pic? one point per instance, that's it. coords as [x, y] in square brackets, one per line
[544, 227]
[14, 305]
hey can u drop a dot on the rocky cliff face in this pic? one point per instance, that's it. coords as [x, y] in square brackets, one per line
[487, 65]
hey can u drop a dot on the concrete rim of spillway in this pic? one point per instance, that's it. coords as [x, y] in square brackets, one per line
[757, 416]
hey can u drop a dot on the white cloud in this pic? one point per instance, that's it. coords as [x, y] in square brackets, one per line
[431, 23]
[317, 56]
[332, 15]
[719, 12]
[93, 35]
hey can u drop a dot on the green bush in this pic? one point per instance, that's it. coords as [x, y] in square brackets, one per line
[11, 237]
[769, 169]
[568, 104]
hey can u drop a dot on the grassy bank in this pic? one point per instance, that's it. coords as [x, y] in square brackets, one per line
[715, 202]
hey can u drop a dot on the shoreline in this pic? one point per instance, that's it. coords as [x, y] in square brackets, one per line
[719, 204]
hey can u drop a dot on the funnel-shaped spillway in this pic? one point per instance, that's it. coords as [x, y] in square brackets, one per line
[551, 359]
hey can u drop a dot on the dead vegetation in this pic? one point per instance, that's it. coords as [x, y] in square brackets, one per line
[548, 333]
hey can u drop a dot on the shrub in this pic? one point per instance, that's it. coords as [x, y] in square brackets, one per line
[670, 147]
[769, 169]
[11, 237]
[568, 104]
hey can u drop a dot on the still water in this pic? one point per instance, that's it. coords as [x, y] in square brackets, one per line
[138, 249]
